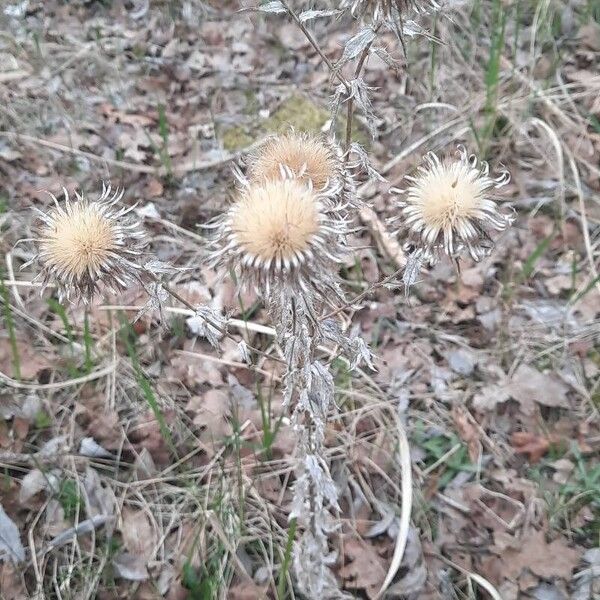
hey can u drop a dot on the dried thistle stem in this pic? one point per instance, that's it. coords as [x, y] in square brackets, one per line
[315, 45]
[350, 106]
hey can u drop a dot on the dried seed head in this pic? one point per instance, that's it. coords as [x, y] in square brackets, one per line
[275, 222]
[306, 157]
[84, 244]
[388, 10]
[451, 206]
[282, 233]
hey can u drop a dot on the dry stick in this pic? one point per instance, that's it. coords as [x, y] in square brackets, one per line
[406, 508]
[192, 308]
[316, 46]
[364, 294]
[484, 583]
[9, 381]
[185, 167]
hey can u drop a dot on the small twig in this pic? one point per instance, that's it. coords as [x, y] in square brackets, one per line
[181, 169]
[175, 294]
[315, 45]
[229, 363]
[42, 458]
[364, 294]
[11, 274]
[13, 383]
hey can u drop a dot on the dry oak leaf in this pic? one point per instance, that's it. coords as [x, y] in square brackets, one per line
[532, 444]
[366, 570]
[12, 582]
[139, 536]
[528, 386]
[468, 431]
[31, 362]
[246, 591]
[546, 560]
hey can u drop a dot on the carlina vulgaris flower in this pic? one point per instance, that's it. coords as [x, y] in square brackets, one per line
[316, 160]
[388, 9]
[450, 207]
[85, 245]
[282, 234]
[300, 155]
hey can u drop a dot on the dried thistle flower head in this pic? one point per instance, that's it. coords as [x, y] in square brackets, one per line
[387, 9]
[86, 244]
[282, 232]
[303, 156]
[451, 206]
[275, 223]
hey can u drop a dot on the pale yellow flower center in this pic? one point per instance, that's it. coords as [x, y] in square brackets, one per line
[275, 220]
[448, 194]
[78, 242]
[306, 156]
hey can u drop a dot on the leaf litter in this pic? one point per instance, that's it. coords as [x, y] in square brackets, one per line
[498, 364]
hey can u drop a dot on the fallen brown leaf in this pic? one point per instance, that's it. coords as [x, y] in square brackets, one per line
[246, 591]
[532, 444]
[548, 560]
[467, 431]
[366, 569]
[139, 536]
[528, 386]
[12, 583]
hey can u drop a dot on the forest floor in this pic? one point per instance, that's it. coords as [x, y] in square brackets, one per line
[138, 463]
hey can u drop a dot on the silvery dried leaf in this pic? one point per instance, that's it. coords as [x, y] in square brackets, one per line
[307, 15]
[356, 44]
[359, 90]
[360, 353]
[275, 7]
[35, 482]
[365, 163]
[322, 386]
[17, 10]
[149, 211]
[339, 96]
[355, 348]
[208, 323]
[387, 58]
[244, 354]
[319, 473]
[414, 262]
[10, 540]
[84, 527]
[157, 296]
[90, 447]
[157, 267]
[130, 566]
[411, 29]
[243, 396]
[54, 446]
[99, 500]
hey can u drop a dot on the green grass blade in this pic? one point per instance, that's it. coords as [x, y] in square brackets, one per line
[492, 72]
[57, 308]
[588, 288]
[88, 343]
[287, 559]
[127, 334]
[530, 263]
[10, 327]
